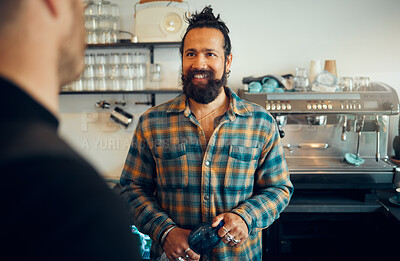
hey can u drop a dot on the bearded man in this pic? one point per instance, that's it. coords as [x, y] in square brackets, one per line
[55, 206]
[206, 156]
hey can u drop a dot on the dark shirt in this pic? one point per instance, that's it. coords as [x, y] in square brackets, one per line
[55, 206]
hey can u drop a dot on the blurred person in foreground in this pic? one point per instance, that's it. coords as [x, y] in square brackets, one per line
[55, 206]
[206, 156]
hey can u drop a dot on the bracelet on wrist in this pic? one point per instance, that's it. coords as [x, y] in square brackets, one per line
[165, 234]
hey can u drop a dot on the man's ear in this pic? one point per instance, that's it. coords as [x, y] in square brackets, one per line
[228, 63]
[53, 6]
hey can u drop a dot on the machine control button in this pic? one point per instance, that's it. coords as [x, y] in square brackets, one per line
[278, 106]
[314, 106]
[268, 107]
[319, 106]
[330, 106]
[359, 106]
[273, 107]
[347, 106]
[342, 106]
[309, 106]
[289, 107]
[324, 106]
[283, 106]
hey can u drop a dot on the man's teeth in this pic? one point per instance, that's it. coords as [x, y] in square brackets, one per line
[200, 76]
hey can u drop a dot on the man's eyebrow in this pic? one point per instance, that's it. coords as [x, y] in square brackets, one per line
[190, 50]
[204, 50]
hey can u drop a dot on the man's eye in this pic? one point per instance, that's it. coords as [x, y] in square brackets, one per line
[211, 54]
[190, 54]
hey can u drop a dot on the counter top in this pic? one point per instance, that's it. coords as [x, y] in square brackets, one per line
[326, 202]
[389, 208]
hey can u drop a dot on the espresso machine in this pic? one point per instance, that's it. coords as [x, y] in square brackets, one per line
[335, 140]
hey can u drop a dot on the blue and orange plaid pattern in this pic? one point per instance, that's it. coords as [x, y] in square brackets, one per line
[173, 177]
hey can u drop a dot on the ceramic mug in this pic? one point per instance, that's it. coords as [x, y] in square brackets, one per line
[255, 87]
[270, 81]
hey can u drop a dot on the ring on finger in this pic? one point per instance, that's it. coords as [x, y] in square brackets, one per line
[187, 250]
[226, 230]
[229, 237]
[235, 241]
[179, 259]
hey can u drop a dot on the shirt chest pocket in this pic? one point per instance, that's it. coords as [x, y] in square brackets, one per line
[172, 166]
[241, 166]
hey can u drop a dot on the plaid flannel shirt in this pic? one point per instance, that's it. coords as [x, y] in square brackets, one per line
[173, 177]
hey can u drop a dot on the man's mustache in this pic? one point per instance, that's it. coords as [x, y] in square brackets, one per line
[207, 73]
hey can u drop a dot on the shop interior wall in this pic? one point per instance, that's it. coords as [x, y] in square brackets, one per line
[268, 37]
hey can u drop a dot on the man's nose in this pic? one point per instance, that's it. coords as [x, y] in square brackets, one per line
[199, 63]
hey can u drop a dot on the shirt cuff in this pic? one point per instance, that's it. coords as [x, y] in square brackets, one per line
[246, 216]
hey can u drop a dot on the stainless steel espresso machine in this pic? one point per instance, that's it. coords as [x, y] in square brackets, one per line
[336, 206]
[319, 130]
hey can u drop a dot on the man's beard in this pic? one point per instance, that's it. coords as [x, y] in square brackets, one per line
[204, 93]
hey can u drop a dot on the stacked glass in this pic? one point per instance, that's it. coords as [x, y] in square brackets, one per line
[102, 22]
[111, 72]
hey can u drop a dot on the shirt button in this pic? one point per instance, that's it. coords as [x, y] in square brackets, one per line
[206, 197]
[207, 163]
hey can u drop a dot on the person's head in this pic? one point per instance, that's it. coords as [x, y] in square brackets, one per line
[51, 28]
[206, 53]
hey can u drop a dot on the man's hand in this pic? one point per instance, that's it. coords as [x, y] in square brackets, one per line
[234, 226]
[176, 243]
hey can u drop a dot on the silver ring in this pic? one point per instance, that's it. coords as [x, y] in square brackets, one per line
[235, 241]
[226, 230]
[179, 259]
[229, 237]
[187, 251]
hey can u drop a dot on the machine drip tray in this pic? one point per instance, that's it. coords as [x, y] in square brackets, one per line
[335, 164]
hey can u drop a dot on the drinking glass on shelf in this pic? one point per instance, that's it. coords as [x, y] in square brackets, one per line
[91, 9]
[104, 22]
[90, 59]
[139, 62]
[91, 37]
[115, 23]
[346, 84]
[361, 83]
[114, 58]
[77, 85]
[126, 58]
[301, 80]
[138, 84]
[104, 11]
[100, 84]
[155, 72]
[91, 23]
[88, 78]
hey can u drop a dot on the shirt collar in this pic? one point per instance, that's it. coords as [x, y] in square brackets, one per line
[236, 107]
[23, 106]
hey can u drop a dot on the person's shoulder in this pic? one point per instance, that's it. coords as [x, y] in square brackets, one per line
[256, 110]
